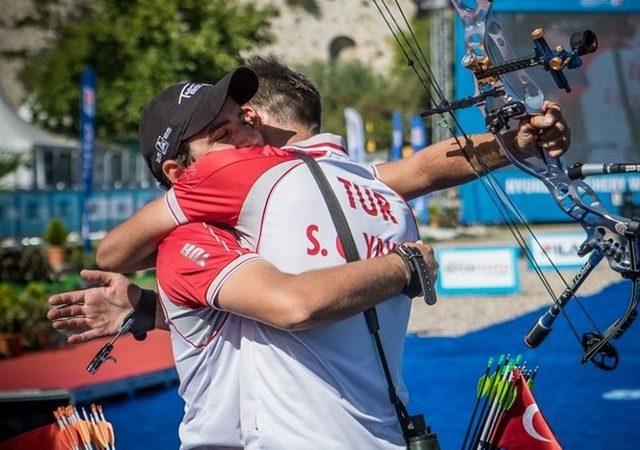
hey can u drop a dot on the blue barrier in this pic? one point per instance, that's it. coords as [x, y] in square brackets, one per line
[26, 213]
[532, 198]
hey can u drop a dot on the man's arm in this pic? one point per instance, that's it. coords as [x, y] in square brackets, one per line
[316, 297]
[131, 245]
[221, 274]
[444, 165]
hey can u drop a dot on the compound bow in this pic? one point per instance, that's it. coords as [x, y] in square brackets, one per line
[505, 92]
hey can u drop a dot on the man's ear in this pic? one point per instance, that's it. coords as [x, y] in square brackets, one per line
[252, 117]
[172, 170]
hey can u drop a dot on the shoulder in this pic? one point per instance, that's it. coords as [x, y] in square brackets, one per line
[184, 237]
[195, 259]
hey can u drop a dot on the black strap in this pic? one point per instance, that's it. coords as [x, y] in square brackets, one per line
[351, 254]
[420, 282]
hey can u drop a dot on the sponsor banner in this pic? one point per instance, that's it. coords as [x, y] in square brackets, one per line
[561, 248]
[478, 270]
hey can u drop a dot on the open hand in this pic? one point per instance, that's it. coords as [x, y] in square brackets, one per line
[94, 312]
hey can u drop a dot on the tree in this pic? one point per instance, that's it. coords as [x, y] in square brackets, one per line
[139, 47]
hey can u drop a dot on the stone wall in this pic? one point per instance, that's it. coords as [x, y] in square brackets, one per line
[302, 36]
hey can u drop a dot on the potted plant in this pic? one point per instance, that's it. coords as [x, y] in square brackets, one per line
[12, 315]
[56, 236]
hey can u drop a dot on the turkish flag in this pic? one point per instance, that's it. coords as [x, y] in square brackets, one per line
[523, 427]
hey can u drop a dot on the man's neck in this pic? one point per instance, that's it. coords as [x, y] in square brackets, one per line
[279, 137]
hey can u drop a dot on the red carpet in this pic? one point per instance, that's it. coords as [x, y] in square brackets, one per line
[66, 368]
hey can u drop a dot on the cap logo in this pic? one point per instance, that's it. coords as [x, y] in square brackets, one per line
[162, 144]
[189, 89]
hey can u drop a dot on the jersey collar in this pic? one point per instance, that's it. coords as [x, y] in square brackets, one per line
[326, 142]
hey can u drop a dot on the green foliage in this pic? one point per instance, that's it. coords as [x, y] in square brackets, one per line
[137, 48]
[35, 265]
[67, 281]
[24, 312]
[79, 260]
[11, 312]
[410, 93]
[56, 233]
[24, 264]
[352, 84]
[310, 6]
[443, 215]
[33, 302]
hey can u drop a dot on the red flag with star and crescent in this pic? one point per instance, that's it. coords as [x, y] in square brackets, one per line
[523, 427]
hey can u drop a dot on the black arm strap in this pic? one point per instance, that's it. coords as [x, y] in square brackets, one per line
[421, 282]
[144, 315]
[411, 425]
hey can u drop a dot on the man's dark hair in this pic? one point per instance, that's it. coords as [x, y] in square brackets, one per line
[286, 95]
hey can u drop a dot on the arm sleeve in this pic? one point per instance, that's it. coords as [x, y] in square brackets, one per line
[195, 260]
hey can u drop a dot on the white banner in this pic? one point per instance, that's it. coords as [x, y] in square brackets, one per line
[562, 249]
[355, 134]
[478, 270]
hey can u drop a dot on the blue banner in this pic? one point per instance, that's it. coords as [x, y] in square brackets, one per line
[418, 142]
[87, 134]
[418, 134]
[397, 138]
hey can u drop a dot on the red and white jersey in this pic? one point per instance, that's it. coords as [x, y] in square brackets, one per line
[324, 387]
[193, 262]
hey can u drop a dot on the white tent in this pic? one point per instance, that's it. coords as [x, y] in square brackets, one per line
[53, 162]
[20, 137]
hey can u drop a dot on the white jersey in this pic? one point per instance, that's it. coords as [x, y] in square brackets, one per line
[324, 387]
[193, 261]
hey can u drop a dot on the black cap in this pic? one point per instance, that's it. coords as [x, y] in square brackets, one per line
[182, 110]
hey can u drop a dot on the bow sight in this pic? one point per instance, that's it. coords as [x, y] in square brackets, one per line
[553, 61]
